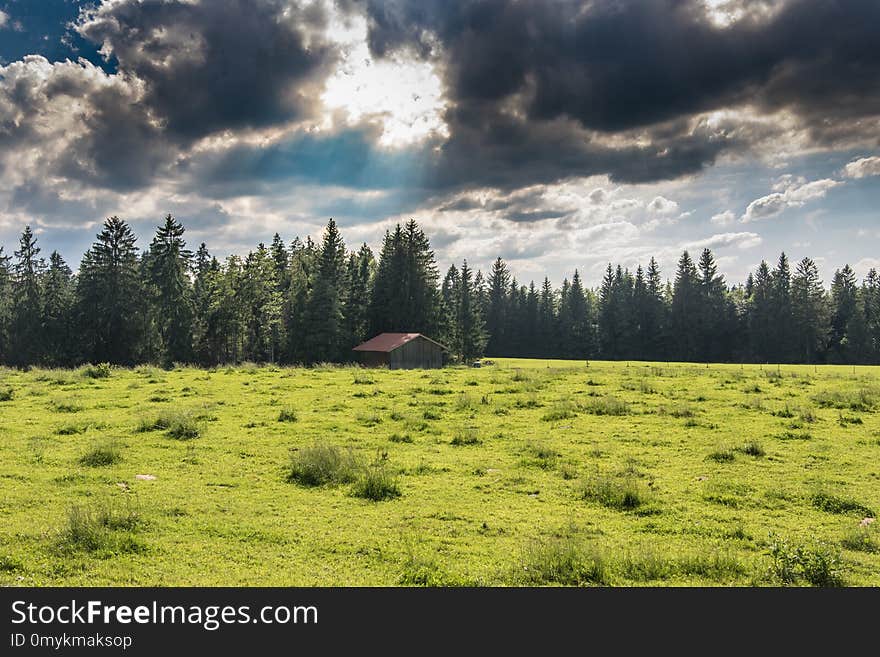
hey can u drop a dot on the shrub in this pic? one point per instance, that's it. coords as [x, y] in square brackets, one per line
[287, 414]
[835, 504]
[101, 455]
[322, 464]
[99, 371]
[6, 394]
[623, 494]
[816, 565]
[467, 436]
[565, 561]
[375, 482]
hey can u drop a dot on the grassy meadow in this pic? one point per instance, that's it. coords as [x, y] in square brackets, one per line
[520, 473]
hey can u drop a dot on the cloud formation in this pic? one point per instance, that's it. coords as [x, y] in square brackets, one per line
[792, 194]
[862, 168]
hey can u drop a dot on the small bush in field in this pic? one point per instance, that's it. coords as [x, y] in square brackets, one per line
[6, 394]
[322, 464]
[101, 455]
[375, 482]
[287, 414]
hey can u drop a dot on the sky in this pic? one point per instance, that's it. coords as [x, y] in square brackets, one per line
[559, 135]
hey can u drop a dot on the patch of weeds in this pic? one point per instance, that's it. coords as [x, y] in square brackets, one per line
[816, 565]
[677, 411]
[528, 401]
[465, 402]
[420, 570]
[400, 438]
[562, 560]
[722, 455]
[105, 528]
[102, 455]
[835, 504]
[861, 539]
[645, 567]
[607, 406]
[562, 410]
[791, 435]
[99, 371]
[568, 471]
[622, 494]
[66, 406]
[432, 414]
[182, 425]
[287, 414]
[362, 379]
[751, 448]
[465, 436]
[375, 482]
[9, 565]
[545, 456]
[844, 420]
[861, 400]
[396, 416]
[717, 567]
[72, 429]
[783, 412]
[322, 464]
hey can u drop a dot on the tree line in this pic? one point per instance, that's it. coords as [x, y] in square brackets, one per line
[304, 302]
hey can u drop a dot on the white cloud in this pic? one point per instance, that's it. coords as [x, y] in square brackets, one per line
[791, 193]
[862, 168]
[725, 218]
[4, 19]
[863, 266]
[662, 206]
[722, 240]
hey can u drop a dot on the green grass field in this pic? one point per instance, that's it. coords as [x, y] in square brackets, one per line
[521, 473]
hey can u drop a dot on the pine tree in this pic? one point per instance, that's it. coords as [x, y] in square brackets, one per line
[57, 316]
[168, 265]
[761, 314]
[685, 305]
[450, 301]
[471, 337]
[109, 291]
[545, 341]
[262, 306]
[28, 340]
[361, 267]
[809, 310]
[844, 302]
[323, 313]
[654, 317]
[497, 310]
[303, 271]
[781, 339]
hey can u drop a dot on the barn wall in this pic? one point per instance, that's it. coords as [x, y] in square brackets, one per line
[374, 358]
[417, 353]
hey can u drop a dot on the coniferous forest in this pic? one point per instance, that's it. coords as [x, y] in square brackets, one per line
[304, 302]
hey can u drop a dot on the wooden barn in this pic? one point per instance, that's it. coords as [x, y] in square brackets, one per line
[402, 351]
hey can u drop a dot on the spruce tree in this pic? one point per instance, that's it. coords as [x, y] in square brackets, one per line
[27, 304]
[323, 313]
[685, 304]
[109, 291]
[360, 268]
[471, 337]
[168, 264]
[809, 311]
[57, 318]
[497, 310]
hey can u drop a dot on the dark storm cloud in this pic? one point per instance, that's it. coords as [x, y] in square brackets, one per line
[216, 65]
[629, 65]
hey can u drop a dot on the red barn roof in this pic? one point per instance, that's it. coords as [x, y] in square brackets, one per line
[386, 342]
